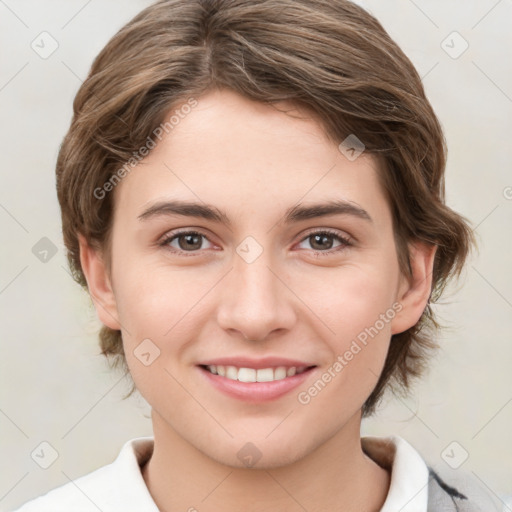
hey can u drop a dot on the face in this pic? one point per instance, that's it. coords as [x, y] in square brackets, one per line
[253, 277]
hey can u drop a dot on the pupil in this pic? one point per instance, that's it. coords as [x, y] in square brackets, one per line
[190, 243]
[322, 238]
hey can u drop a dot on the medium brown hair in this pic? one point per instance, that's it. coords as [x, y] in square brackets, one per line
[330, 57]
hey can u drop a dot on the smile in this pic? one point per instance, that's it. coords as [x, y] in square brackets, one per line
[255, 385]
[255, 375]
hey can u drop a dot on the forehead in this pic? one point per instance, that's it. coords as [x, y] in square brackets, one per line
[249, 157]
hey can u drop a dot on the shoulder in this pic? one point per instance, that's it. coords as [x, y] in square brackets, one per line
[461, 492]
[118, 486]
[78, 495]
[418, 485]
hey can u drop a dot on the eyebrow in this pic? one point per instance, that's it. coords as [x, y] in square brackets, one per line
[297, 213]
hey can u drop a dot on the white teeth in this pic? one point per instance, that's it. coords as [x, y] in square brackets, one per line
[231, 373]
[265, 375]
[247, 375]
[280, 373]
[255, 375]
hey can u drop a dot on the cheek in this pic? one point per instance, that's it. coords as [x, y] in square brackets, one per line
[354, 298]
[358, 304]
[161, 310]
[360, 315]
[152, 298]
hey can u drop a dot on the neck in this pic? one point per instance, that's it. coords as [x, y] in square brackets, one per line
[338, 475]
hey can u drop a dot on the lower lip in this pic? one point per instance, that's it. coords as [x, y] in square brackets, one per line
[256, 392]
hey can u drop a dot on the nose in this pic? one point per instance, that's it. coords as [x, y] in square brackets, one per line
[257, 301]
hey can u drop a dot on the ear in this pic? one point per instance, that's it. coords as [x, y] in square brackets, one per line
[99, 285]
[414, 291]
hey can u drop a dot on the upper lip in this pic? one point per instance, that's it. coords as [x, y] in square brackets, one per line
[247, 362]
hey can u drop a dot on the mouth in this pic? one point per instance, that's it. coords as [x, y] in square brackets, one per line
[255, 385]
[243, 374]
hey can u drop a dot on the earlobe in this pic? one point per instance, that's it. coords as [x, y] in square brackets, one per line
[414, 292]
[99, 284]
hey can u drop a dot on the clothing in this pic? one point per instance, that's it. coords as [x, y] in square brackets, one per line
[120, 487]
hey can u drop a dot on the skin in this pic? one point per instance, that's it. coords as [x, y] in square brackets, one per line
[254, 162]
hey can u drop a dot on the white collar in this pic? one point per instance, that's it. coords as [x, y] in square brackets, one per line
[408, 490]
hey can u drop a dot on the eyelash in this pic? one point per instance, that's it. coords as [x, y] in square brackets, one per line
[345, 242]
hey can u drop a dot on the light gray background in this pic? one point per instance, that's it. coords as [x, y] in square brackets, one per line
[55, 386]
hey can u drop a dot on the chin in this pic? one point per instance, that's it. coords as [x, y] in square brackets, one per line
[258, 454]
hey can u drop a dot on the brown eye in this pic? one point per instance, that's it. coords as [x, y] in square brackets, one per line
[323, 241]
[185, 241]
[189, 241]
